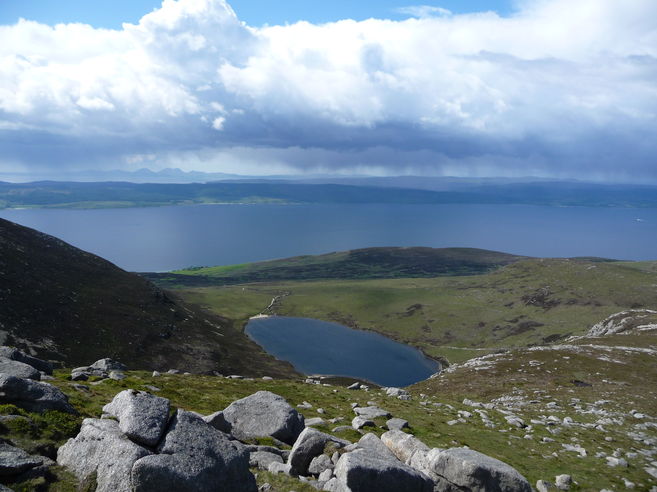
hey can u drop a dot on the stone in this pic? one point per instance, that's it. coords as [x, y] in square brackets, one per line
[102, 449]
[516, 421]
[18, 369]
[397, 424]
[396, 392]
[341, 428]
[117, 375]
[315, 421]
[354, 386]
[264, 414]
[403, 445]
[613, 462]
[463, 468]
[80, 375]
[373, 445]
[371, 412]
[107, 365]
[284, 468]
[142, 416]
[14, 461]
[319, 464]
[544, 486]
[262, 459]
[361, 471]
[194, 457]
[360, 422]
[563, 482]
[326, 475]
[17, 355]
[218, 421]
[156, 374]
[309, 444]
[33, 396]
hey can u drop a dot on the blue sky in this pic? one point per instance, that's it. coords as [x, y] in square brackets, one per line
[112, 13]
[550, 88]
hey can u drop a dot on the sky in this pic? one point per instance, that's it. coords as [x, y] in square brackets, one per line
[549, 88]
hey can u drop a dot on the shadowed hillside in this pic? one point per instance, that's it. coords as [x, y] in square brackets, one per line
[368, 263]
[65, 304]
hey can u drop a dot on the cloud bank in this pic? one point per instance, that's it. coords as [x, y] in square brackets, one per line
[561, 88]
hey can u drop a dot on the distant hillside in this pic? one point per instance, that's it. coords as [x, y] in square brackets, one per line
[52, 194]
[65, 304]
[369, 263]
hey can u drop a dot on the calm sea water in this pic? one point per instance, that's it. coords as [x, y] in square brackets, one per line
[318, 347]
[166, 238]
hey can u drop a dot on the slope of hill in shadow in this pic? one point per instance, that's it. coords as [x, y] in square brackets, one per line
[64, 304]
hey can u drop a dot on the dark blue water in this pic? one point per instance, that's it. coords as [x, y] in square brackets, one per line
[318, 347]
[166, 238]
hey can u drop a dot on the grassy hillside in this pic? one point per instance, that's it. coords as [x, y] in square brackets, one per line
[68, 305]
[355, 264]
[575, 381]
[533, 301]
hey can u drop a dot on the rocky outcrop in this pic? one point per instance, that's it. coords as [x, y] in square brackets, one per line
[142, 416]
[102, 368]
[625, 322]
[194, 457]
[101, 449]
[264, 414]
[33, 396]
[15, 354]
[190, 456]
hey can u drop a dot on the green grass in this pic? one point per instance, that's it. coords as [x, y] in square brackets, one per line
[525, 303]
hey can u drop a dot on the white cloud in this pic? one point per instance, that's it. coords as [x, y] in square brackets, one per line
[562, 86]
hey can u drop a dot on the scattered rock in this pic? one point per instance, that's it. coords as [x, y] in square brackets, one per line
[107, 365]
[156, 374]
[319, 464]
[18, 369]
[360, 422]
[17, 355]
[563, 482]
[397, 424]
[14, 461]
[371, 412]
[463, 468]
[354, 386]
[142, 416]
[310, 444]
[315, 421]
[264, 414]
[284, 468]
[403, 445]
[361, 471]
[218, 421]
[33, 396]
[117, 375]
[543, 486]
[262, 459]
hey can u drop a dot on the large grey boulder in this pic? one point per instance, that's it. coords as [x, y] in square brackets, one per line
[194, 457]
[102, 449]
[463, 468]
[264, 414]
[18, 369]
[403, 445]
[311, 443]
[142, 416]
[361, 471]
[372, 444]
[33, 396]
[14, 461]
[17, 355]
